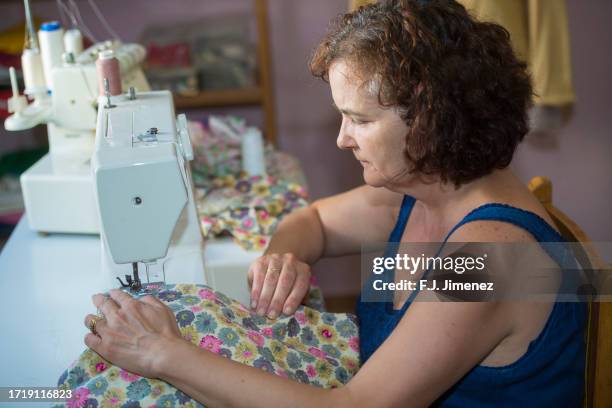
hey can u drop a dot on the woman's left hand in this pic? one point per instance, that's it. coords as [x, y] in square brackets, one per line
[133, 333]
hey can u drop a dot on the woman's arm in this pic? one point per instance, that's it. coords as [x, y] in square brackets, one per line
[362, 215]
[333, 226]
[433, 347]
[142, 336]
[216, 381]
[301, 234]
[337, 225]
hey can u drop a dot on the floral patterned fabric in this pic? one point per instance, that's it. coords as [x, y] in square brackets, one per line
[217, 153]
[314, 299]
[229, 201]
[249, 208]
[312, 347]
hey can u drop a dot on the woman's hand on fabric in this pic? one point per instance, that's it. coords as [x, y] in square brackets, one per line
[133, 332]
[278, 283]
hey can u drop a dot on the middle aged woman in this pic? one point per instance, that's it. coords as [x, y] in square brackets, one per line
[433, 105]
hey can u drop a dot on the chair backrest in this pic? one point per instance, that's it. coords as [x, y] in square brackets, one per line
[598, 374]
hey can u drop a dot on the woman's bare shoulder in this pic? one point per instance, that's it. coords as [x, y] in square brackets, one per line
[495, 231]
[364, 214]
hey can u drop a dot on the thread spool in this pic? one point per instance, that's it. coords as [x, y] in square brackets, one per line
[33, 75]
[107, 66]
[253, 158]
[51, 39]
[73, 41]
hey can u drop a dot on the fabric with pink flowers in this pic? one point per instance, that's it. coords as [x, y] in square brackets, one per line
[249, 208]
[312, 347]
[230, 202]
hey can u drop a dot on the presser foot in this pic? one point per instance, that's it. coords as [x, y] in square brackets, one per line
[134, 285]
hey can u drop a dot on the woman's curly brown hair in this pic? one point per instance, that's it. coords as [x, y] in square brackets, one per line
[455, 81]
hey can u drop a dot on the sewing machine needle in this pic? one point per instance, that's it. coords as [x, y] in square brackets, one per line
[136, 284]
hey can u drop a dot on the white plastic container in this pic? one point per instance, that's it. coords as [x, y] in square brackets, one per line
[253, 158]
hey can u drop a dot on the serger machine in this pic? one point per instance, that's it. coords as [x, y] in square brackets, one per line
[62, 82]
[150, 230]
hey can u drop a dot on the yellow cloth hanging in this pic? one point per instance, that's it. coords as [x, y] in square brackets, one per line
[353, 4]
[13, 38]
[540, 35]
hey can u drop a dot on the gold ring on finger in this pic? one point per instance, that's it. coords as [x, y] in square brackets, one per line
[92, 325]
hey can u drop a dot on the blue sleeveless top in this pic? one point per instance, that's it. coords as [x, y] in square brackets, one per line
[550, 373]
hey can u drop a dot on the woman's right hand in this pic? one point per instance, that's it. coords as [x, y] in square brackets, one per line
[278, 283]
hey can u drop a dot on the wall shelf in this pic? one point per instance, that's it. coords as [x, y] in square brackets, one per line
[261, 96]
[225, 97]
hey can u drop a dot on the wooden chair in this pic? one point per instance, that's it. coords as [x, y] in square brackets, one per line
[598, 374]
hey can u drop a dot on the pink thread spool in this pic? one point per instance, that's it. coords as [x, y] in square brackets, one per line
[107, 66]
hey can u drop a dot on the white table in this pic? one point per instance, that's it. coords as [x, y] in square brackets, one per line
[46, 283]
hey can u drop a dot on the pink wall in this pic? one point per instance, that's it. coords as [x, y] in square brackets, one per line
[577, 158]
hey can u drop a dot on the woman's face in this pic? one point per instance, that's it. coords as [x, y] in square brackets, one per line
[375, 134]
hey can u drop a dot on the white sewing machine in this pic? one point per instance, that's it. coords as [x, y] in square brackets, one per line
[141, 151]
[144, 191]
[58, 190]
